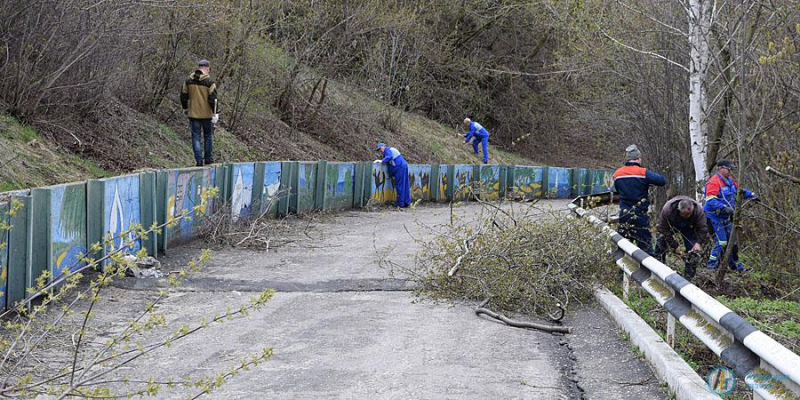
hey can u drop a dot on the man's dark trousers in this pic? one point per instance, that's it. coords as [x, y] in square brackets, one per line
[196, 125]
[691, 260]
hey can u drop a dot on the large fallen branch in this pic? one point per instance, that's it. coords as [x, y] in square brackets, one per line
[519, 324]
[784, 176]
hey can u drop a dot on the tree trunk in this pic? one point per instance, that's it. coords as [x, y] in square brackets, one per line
[699, 31]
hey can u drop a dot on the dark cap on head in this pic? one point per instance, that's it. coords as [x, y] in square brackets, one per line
[204, 63]
[726, 163]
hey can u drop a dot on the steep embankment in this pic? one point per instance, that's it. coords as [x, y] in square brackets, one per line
[29, 158]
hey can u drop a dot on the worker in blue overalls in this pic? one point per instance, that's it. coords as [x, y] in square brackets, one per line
[720, 203]
[480, 134]
[398, 169]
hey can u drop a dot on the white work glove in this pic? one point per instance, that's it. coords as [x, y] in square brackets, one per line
[377, 161]
[215, 119]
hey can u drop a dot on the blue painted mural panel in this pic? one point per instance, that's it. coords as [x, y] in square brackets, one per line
[242, 191]
[67, 227]
[443, 183]
[558, 183]
[272, 186]
[121, 210]
[187, 194]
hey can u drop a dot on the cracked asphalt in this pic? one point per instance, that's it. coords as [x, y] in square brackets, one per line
[341, 327]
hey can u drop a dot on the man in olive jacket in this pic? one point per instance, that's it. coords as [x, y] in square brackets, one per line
[683, 216]
[198, 99]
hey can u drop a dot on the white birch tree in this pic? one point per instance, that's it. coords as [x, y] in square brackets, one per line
[700, 18]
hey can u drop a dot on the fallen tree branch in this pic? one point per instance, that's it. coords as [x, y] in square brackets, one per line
[518, 324]
[782, 175]
[461, 257]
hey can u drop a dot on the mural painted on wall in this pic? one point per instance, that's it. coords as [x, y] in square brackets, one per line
[242, 192]
[579, 186]
[382, 190]
[307, 174]
[602, 181]
[489, 184]
[419, 178]
[185, 190]
[5, 222]
[121, 209]
[443, 182]
[339, 185]
[527, 182]
[272, 185]
[558, 183]
[67, 227]
[463, 182]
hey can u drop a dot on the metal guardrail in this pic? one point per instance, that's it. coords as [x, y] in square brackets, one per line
[773, 369]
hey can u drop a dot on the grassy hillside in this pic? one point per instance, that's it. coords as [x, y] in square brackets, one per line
[31, 159]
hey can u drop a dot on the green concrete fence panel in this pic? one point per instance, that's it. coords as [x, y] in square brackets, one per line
[419, 180]
[148, 209]
[446, 174]
[306, 183]
[359, 183]
[288, 188]
[434, 183]
[319, 185]
[19, 238]
[340, 182]
[5, 225]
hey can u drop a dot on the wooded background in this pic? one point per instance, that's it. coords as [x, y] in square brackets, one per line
[561, 82]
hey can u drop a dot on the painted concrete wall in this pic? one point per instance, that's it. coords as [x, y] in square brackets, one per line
[487, 184]
[5, 222]
[242, 191]
[339, 184]
[419, 178]
[558, 183]
[382, 186]
[57, 224]
[527, 182]
[187, 194]
[462, 179]
[271, 187]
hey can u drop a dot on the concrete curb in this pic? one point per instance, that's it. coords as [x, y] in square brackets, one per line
[668, 365]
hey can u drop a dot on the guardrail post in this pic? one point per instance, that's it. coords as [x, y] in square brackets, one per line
[626, 287]
[670, 330]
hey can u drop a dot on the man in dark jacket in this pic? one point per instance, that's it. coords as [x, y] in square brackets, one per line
[632, 183]
[199, 100]
[683, 216]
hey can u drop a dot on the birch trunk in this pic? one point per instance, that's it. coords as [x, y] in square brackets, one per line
[699, 30]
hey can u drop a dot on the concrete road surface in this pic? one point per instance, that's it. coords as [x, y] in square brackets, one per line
[342, 328]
